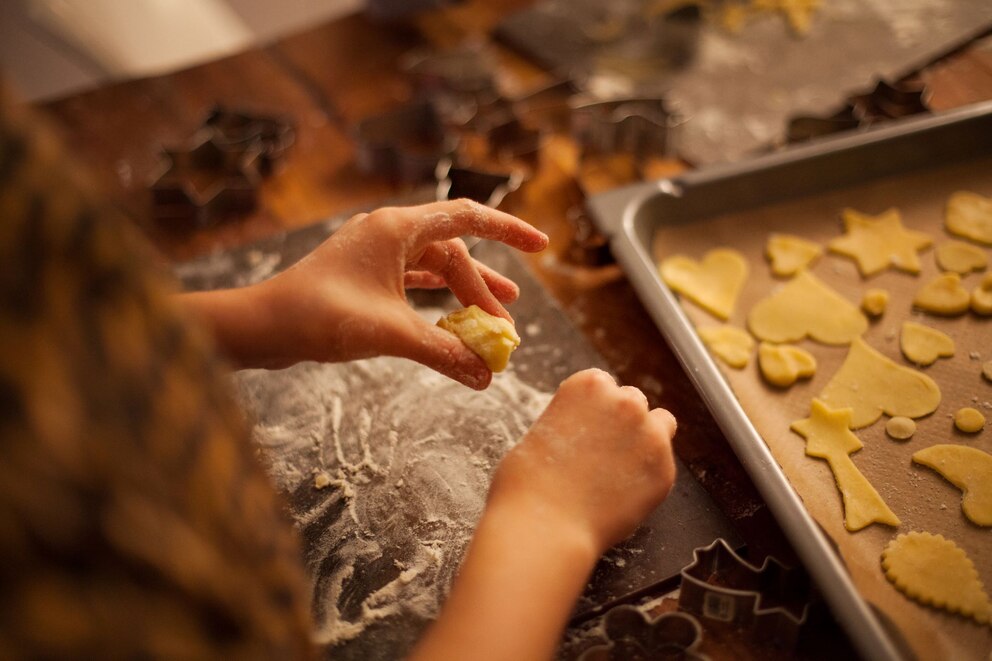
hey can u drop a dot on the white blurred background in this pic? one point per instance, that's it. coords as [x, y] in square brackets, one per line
[49, 48]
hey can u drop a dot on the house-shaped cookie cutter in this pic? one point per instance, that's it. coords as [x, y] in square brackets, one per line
[769, 604]
[633, 636]
[643, 127]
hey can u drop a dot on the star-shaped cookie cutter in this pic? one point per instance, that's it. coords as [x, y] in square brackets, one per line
[204, 181]
[769, 603]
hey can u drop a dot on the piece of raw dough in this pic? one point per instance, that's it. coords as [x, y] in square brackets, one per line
[936, 572]
[981, 297]
[900, 428]
[491, 338]
[924, 345]
[969, 420]
[871, 384]
[877, 242]
[784, 364]
[828, 436]
[730, 344]
[944, 295]
[874, 302]
[789, 254]
[803, 307]
[960, 257]
[969, 215]
[712, 284]
[970, 470]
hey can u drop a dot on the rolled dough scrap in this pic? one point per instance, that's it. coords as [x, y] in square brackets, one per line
[944, 295]
[969, 215]
[877, 242]
[874, 302]
[828, 436]
[730, 344]
[960, 257]
[491, 338]
[713, 284]
[788, 254]
[783, 364]
[803, 307]
[936, 572]
[981, 297]
[871, 384]
[924, 345]
[970, 470]
[900, 428]
[969, 420]
[987, 370]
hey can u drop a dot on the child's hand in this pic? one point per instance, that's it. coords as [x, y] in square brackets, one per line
[346, 300]
[596, 462]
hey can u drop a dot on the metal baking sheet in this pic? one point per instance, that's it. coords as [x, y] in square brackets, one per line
[808, 181]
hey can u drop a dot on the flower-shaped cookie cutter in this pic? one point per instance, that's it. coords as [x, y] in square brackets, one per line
[633, 636]
[405, 144]
[770, 603]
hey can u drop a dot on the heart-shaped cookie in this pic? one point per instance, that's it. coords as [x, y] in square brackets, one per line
[981, 297]
[789, 254]
[783, 364]
[870, 384]
[730, 344]
[924, 345]
[712, 284]
[970, 470]
[944, 295]
[969, 215]
[806, 307]
[960, 257]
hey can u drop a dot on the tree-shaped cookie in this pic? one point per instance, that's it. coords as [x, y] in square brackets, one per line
[878, 242]
[828, 436]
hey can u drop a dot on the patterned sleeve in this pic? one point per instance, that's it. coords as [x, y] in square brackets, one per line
[135, 519]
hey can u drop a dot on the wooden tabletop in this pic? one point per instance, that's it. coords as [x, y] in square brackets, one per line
[329, 78]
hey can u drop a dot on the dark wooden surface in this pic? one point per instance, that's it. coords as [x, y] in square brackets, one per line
[328, 78]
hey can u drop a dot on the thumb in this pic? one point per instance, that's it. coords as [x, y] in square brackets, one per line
[444, 352]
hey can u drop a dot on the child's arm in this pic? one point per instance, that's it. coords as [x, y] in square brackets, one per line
[346, 299]
[589, 470]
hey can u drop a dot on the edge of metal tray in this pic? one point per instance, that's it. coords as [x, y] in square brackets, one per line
[629, 217]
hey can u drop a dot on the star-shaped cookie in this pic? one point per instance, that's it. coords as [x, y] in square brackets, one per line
[877, 242]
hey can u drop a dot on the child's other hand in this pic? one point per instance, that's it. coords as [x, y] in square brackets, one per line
[595, 463]
[346, 300]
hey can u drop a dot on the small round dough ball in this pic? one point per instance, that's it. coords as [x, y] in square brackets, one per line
[969, 420]
[900, 428]
[874, 302]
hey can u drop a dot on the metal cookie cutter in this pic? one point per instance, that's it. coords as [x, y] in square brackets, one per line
[405, 144]
[640, 126]
[769, 603]
[271, 136]
[885, 101]
[633, 636]
[204, 181]
[487, 188]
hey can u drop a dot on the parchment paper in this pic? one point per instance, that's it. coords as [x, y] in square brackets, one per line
[921, 498]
